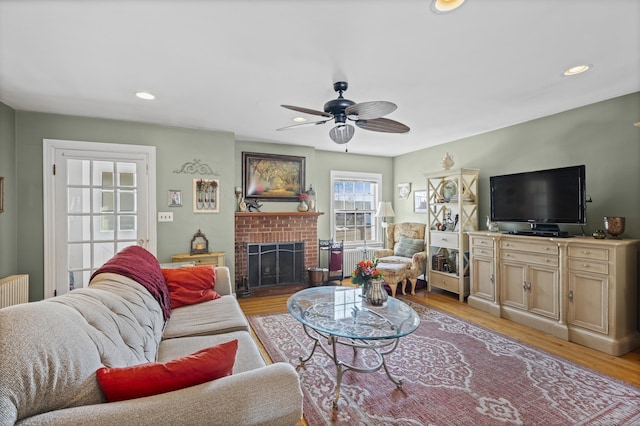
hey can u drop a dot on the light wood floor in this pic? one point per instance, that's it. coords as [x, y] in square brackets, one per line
[626, 367]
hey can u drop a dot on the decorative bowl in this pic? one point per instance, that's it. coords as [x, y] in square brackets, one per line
[614, 225]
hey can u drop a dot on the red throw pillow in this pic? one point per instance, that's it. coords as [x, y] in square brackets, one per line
[188, 286]
[137, 381]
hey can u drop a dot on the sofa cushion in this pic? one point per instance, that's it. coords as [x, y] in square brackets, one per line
[213, 317]
[48, 360]
[141, 266]
[142, 380]
[248, 357]
[188, 286]
[407, 247]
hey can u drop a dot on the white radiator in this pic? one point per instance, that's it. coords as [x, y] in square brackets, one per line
[14, 289]
[353, 256]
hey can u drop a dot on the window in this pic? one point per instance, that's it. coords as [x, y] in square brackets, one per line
[355, 197]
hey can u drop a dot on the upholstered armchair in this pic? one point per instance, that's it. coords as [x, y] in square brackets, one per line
[405, 242]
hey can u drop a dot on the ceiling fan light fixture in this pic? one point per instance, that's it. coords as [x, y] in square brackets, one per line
[578, 69]
[299, 119]
[445, 6]
[342, 133]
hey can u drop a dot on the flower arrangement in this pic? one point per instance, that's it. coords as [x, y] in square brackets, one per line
[303, 196]
[365, 270]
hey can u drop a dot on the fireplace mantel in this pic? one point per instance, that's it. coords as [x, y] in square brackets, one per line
[249, 214]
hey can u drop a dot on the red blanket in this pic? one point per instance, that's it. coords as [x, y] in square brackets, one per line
[141, 266]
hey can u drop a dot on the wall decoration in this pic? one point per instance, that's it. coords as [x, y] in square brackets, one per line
[272, 177]
[420, 201]
[175, 198]
[195, 168]
[1, 194]
[404, 189]
[206, 196]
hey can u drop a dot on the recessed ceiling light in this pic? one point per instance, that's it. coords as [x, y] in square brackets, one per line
[578, 69]
[299, 119]
[444, 6]
[145, 95]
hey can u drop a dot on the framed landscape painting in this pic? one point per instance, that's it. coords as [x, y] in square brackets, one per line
[272, 177]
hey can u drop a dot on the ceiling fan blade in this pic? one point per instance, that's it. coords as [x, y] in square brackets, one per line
[369, 110]
[305, 124]
[307, 110]
[382, 125]
[342, 133]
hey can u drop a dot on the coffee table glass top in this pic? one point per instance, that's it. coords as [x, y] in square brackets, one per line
[343, 312]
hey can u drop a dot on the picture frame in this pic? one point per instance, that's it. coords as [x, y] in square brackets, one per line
[175, 198]
[206, 196]
[404, 190]
[272, 177]
[420, 201]
[1, 194]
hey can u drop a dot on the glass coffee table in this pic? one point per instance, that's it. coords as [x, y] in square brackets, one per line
[333, 316]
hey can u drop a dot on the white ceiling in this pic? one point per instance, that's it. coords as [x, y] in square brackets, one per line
[228, 65]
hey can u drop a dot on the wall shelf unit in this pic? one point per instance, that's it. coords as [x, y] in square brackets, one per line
[452, 210]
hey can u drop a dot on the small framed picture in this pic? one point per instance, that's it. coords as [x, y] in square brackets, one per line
[404, 189]
[175, 198]
[420, 201]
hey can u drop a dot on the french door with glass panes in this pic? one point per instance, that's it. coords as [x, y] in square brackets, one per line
[101, 205]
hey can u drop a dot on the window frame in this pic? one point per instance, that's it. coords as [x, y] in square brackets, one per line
[377, 222]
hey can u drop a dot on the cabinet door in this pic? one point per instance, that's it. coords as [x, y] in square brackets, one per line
[588, 301]
[512, 284]
[542, 284]
[482, 279]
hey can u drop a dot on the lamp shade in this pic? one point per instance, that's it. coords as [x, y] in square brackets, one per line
[385, 209]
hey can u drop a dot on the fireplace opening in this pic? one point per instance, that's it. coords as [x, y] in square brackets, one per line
[273, 264]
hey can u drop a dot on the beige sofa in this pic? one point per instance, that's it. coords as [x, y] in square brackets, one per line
[405, 245]
[50, 351]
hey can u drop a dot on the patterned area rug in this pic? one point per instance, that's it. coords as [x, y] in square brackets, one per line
[454, 373]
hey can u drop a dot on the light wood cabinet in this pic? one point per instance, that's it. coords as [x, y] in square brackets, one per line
[452, 209]
[213, 258]
[578, 289]
[529, 271]
[483, 290]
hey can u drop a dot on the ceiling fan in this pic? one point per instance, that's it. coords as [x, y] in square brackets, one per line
[366, 115]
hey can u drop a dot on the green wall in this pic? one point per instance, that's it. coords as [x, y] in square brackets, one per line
[318, 167]
[601, 136]
[174, 147]
[8, 219]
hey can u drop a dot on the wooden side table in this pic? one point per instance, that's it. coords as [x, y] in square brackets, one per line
[213, 258]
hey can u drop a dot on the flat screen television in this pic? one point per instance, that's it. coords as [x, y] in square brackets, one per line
[554, 196]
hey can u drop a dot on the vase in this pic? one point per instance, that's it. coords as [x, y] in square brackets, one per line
[365, 288]
[614, 225]
[303, 207]
[377, 295]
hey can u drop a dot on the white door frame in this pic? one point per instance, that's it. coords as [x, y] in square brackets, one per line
[49, 150]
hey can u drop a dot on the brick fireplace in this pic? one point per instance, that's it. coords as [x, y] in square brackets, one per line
[275, 227]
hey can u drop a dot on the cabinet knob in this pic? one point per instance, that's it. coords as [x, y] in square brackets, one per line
[585, 265]
[570, 295]
[585, 252]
